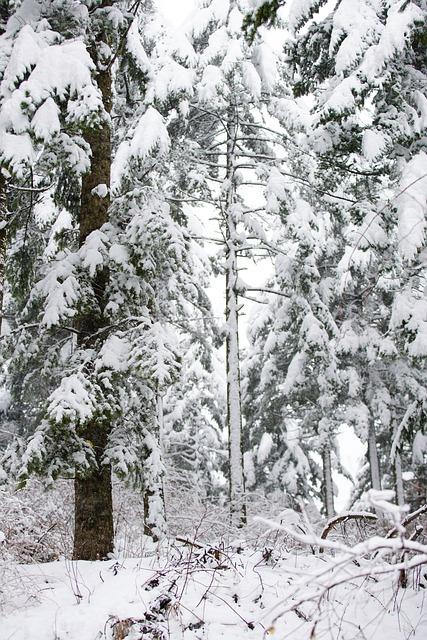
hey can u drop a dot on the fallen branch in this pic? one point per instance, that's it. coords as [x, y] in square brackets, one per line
[375, 543]
[409, 518]
[345, 517]
[212, 552]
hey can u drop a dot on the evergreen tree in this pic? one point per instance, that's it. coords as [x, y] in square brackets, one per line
[366, 66]
[293, 391]
[234, 82]
[46, 91]
[111, 293]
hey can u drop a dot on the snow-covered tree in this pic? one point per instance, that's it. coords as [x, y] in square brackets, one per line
[116, 289]
[365, 64]
[234, 82]
[46, 95]
[193, 422]
[293, 378]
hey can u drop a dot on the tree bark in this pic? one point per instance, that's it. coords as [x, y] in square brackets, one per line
[328, 485]
[400, 493]
[374, 464]
[162, 445]
[234, 411]
[94, 534]
[4, 17]
[156, 492]
[3, 243]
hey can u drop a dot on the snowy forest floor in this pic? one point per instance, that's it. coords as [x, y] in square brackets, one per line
[196, 584]
[190, 596]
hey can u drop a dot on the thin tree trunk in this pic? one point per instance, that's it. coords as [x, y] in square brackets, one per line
[162, 445]
[161, 424]
[4, 16]
[234, 412]
[400, 493]
[374, 464]
[153, 491]
[328, 485]
[150, 527]
[94, 535]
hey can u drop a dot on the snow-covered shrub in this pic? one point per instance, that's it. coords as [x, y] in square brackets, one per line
[36, 523]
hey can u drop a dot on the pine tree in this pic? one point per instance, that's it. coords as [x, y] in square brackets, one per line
[294, 381]
[368, 59]
[233, 83]
[4, 16]
[93, 531]
[61, 79]
[38, 120]
[105, 303]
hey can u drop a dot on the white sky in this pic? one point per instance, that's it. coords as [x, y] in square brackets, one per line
[176, 11]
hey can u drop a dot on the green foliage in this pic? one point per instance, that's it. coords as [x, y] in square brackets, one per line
[264, 15]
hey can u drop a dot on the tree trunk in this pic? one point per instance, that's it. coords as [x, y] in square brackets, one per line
[234, 413]
[162, 446]
[400, 493]
[93, 532]
[3, 243]
[149, 526]
[4, 16]
[153, 487]
[374, 464]
[398, 479]
[94, 535]
[328, 485]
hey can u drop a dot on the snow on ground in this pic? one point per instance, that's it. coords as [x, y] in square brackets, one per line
[192, 593]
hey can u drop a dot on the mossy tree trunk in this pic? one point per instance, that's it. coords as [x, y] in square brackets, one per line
[94, 534]
[4, 16]
[3, 242]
